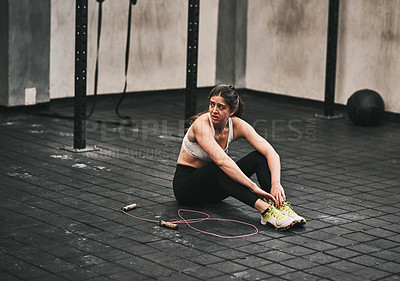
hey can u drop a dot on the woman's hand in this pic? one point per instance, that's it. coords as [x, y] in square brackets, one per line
[278, 192]
[264, 195]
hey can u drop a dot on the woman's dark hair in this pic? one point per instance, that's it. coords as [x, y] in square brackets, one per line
[231, 97]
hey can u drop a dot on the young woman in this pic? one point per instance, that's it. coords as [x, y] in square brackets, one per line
[206, 174]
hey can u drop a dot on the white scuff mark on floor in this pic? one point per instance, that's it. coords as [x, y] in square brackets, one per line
[102, 168]
[90, 260]
[79, 166]
[171, 138]
[241, 275]
[20, 175]
[182, 241]
[36, 131]
[64, 134]
[62, 157]
[332, 219]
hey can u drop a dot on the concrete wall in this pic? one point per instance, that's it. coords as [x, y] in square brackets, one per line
[207, 43]
[4, 52]
[158, 46]
[231, 42]
[369, 50]
[286, 48]
[25, 40]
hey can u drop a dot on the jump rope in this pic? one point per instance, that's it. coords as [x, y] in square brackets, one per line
[189, 222]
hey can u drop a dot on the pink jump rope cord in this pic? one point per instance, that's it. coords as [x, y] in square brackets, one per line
[207, 217]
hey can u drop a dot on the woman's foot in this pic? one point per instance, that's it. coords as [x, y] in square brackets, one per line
[286, 208]
[276, 218]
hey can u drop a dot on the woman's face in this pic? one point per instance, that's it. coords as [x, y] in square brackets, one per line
[219, 109]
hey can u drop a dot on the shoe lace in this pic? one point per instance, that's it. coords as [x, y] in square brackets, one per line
[275, 212]
[288, 207]
[287, 204]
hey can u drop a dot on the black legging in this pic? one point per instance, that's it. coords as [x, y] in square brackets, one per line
[209, 184]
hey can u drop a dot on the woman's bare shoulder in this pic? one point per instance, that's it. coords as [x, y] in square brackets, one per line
[240, 127]
[201, 120]
[200, 123]
[238, 122]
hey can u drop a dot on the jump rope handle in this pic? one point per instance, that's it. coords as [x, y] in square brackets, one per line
[129, 207]
[168, 224]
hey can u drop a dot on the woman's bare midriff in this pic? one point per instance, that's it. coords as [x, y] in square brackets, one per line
[188, 160]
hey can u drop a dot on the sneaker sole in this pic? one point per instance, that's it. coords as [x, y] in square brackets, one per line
[264, 222]
[302, 222]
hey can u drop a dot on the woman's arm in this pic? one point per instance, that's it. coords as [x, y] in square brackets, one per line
[246, 131]
[204, 136]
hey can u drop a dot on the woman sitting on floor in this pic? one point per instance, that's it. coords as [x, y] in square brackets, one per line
[206, 174]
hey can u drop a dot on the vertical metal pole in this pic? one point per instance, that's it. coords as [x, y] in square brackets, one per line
[80, 74]
[330, 74]
[192, 54]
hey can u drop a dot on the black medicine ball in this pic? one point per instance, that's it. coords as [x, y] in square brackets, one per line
[365, 108]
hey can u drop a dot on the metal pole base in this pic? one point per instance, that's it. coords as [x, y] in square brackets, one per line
[328, 117]
[80, 150]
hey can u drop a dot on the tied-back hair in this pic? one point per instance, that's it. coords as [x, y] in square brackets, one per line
[231, 97]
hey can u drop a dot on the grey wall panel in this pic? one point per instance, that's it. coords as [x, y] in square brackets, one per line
[29, 49]
[4, 52]
[231, 42]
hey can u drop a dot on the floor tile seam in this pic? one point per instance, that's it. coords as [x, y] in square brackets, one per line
[74, 232]
[173, 269]
[20, 227]
[46, 146]
[38, 266]
[63, 229]
[52, 129]
[281, 262]
[81, 170]
[275, 263]
[307, 273]
[364, 265]
[306, 206]
[310, 247]
[130, 270]
[380, 249]
[52, 200]
[333, 180]
[17, 192]
[387, 236]
[57, 202]
[387, 240]
[347, 211]
[316, 231]
[358, 254]
[327, 265]
[154, 138]
[61, 174]
[373, 257]
[105, 275]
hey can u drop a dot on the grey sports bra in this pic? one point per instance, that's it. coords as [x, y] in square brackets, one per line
[194, 149]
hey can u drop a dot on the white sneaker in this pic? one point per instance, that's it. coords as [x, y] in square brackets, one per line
[287, 209]
[276, 218]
